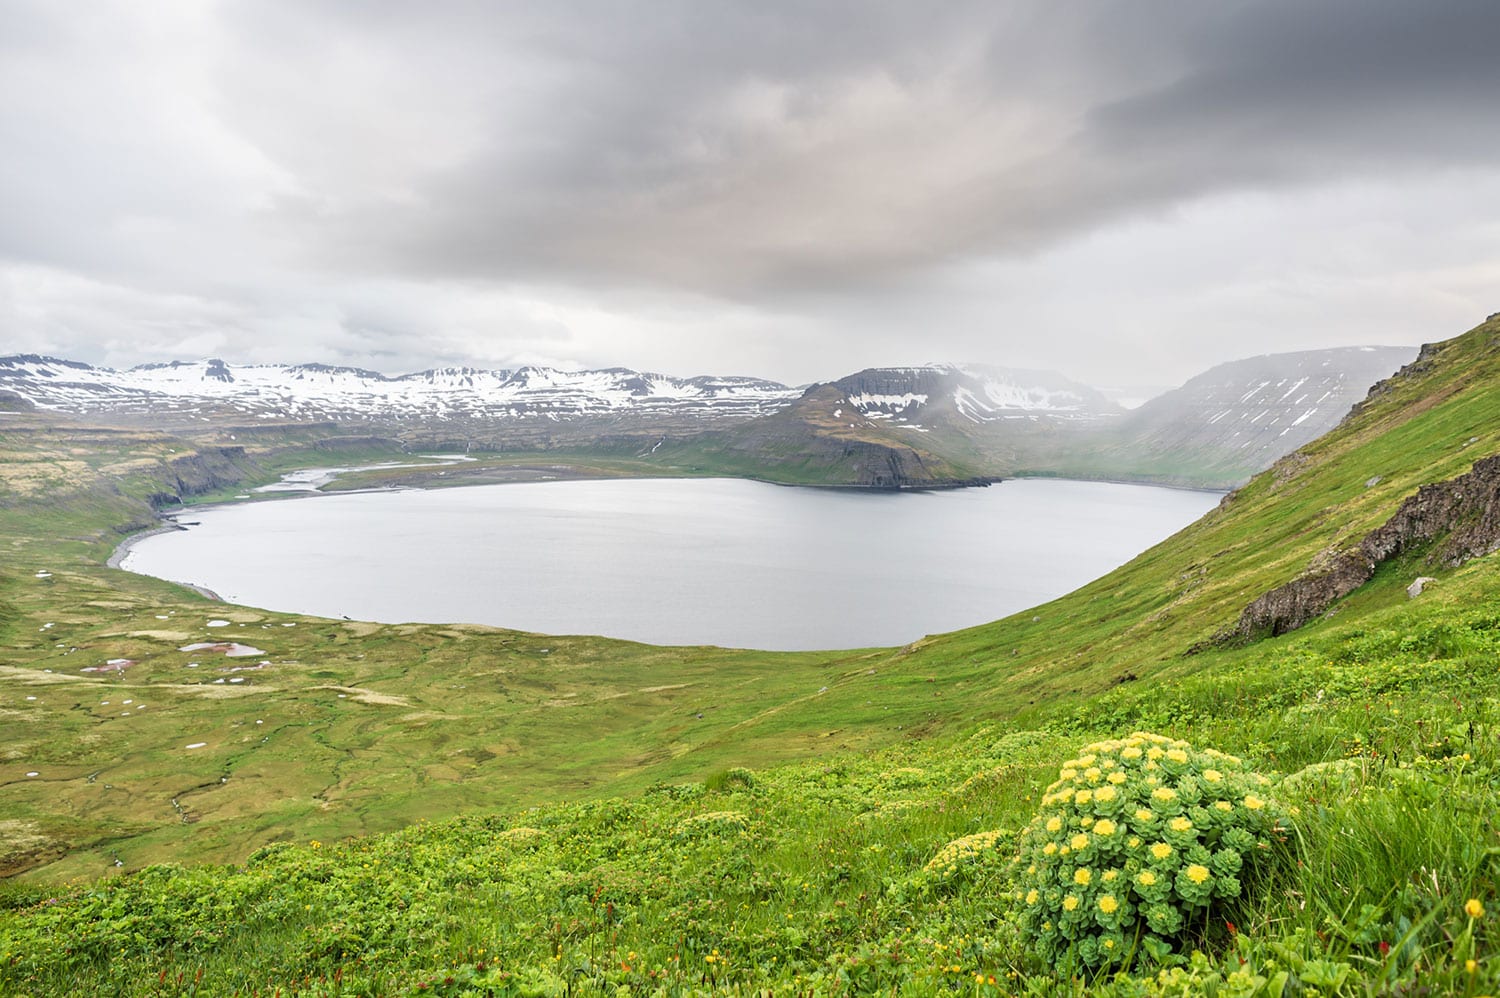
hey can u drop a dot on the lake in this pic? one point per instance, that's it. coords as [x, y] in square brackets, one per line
[674, 561]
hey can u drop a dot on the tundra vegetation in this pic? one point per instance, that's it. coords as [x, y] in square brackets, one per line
[388, 809]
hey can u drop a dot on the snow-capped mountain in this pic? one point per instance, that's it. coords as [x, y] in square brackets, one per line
[213, 389]
[894, 426]
[918, 427]
[1233, 420]
[1263, 407]
[978, 395]
[1215, 431]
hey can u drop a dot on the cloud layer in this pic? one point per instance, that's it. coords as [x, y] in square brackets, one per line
[1122, 191]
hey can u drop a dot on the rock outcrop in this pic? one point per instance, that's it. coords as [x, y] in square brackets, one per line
[1418, 586]
[1457, 520]
[202, 471]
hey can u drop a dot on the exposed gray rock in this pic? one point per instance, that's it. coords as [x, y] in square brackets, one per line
[1415, 589]
[1459, 518]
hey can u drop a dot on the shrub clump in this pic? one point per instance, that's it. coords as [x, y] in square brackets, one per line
[521, 836]
[710, 824]
[970, 858]
[1134, 845]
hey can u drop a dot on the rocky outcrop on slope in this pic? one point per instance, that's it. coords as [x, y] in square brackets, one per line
[199, 472]
[11, 402]
[877, 466]
[1459, 519]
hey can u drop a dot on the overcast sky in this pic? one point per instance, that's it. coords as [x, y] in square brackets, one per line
[1127, 192]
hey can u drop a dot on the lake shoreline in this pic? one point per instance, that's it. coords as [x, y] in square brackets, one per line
[117, 558]
[674, 561]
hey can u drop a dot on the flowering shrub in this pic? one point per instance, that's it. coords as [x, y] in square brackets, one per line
[1133, 845]
[521, 836]
[969, 858]
[711, 823]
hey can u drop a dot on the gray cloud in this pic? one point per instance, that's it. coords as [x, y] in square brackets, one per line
[763, 187]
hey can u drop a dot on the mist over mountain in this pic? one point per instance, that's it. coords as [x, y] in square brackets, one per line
[1239, 417]
[891, 427]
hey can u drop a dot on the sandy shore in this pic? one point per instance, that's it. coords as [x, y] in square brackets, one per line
[123, 550]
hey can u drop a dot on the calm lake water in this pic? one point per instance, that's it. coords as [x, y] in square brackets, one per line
[674, 561]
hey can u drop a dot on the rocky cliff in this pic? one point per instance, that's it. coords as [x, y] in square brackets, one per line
[202, 471]
[1451, 521]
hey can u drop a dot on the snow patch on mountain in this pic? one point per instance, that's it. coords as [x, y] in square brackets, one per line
[870, 404]
[318, 391]
[973, 394]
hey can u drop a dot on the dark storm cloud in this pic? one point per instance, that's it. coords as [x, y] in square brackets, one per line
[736, 149]
[1292, 91]
[706, 184]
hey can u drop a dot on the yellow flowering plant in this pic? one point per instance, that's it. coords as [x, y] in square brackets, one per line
[1111, 868]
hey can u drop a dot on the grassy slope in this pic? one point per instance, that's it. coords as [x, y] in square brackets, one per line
[336, 767]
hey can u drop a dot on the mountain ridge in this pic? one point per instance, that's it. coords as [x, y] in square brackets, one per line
[922, 426]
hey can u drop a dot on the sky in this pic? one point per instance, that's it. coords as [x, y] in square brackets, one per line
[1126, 192]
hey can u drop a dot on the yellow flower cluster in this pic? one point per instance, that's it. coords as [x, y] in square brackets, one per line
[521, 835]
[963, 851]
[1136, 838]
[711, 823]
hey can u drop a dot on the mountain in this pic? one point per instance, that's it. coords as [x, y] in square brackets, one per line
[921, 398]
[1215, 431]
[450, 398]
[895, 427]
[1236, 419]
[905, 427]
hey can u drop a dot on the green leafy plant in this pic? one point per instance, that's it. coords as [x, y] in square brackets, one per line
[1134, 845]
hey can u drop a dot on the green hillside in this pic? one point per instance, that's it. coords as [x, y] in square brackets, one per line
[611, 816]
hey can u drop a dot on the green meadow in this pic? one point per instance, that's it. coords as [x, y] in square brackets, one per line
[425, 809]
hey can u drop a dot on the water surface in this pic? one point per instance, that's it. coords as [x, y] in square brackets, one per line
[674, 561]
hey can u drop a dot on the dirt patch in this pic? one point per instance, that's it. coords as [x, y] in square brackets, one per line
[23, 846]
[170, 637]
[360, 695]
[36, 676]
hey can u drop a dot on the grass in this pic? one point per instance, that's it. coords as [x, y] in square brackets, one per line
[806, 874]
[816, 875]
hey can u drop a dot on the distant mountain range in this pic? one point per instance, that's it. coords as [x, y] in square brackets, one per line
[881, 427]
[944, 425]
[212, 388]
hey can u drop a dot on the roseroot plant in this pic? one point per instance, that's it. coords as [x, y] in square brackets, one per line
[1133, 847]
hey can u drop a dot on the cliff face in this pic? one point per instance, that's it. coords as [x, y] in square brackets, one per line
[1459, 519]
[200, 472]
[880, 466]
